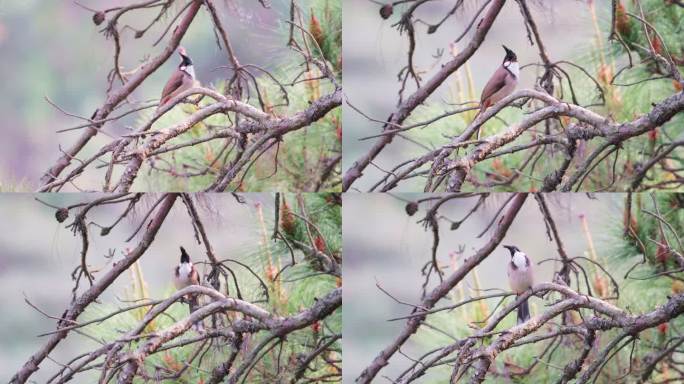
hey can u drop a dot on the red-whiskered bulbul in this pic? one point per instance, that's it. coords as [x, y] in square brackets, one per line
[502, 83]
[181, 80]
[185, 276]
[520, 278]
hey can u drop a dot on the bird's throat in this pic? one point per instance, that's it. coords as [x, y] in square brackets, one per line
[185, 269]
[520, 260]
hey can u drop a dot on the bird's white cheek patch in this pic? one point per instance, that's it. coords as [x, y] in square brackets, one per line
[514, 67]
[190, 70]
[519, 260]
[185, 269]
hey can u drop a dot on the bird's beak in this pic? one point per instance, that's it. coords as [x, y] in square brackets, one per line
[509, 247]
[506, 49]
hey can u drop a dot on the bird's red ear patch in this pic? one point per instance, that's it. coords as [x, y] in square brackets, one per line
[487, 103]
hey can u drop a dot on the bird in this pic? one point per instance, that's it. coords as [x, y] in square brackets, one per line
[181, 80]
[186, 275]
[520, 278]
[501, 84]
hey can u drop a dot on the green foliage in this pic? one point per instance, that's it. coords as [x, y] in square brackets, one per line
[667, 20]
[171, 359]
[327, 15]
[438, 132]
[323, 213]
[655, 226]
[461, 323]
[632, 91]
[633, 257]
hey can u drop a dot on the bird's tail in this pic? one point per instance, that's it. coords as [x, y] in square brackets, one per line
[159, 106]
[523, 312]
[483, 107]
[193, 303]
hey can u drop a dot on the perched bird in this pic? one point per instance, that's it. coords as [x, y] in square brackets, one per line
[181, 80]
[502, 83]
[520, 278]
[186, 275]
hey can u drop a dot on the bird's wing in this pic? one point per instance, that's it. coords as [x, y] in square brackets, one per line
[173, 84]
[194, 276]
[494, 84]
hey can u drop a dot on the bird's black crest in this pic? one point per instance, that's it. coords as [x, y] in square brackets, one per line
[512, 248]
[510, 55]
[185, 258]
[187, 61]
